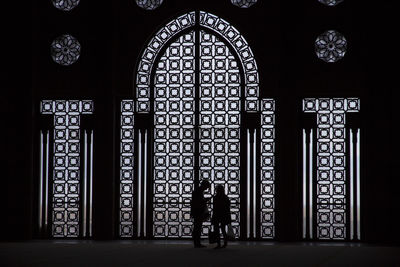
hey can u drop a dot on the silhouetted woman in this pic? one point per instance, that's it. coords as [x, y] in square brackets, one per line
[221, 214]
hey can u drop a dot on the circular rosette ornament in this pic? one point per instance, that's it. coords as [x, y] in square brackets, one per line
[330, 46]
[149, 4]
[243, 3]
[330, 2]
[65, 5]
[65, 50]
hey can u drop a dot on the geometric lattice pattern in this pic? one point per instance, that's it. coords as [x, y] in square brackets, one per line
[65, 50]
[149, 4]
[267, 201]
[330, 46]
[331, 205]
[126, 168]
[149, 55]
[65, 5]
[244, 3]
[330, 2]
[220, 120]
[227, 31]
[244, 52]
[174, 139]
[66, 163]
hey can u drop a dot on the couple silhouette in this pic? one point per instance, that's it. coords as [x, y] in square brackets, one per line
[221, 215]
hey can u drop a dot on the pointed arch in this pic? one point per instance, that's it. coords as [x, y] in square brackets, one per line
[197, 77]
[173, 29]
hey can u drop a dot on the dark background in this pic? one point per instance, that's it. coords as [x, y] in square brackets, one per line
[281, 35]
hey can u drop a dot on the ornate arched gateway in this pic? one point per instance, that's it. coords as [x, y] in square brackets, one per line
[196, 89]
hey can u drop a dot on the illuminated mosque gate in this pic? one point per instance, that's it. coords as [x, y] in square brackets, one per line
[197, 115]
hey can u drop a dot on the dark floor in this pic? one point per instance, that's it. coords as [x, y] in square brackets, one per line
[181, 253]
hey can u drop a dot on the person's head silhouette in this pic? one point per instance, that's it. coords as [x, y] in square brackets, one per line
[219, 189]
[204, 185]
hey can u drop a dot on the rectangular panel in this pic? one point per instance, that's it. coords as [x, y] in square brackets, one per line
[331, 170]
[174, 139]
[127, 172]
[66, 180]
[267, 185]
[220, 121]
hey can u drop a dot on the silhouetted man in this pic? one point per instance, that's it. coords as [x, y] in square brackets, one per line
[221, 214]
[199, 211]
